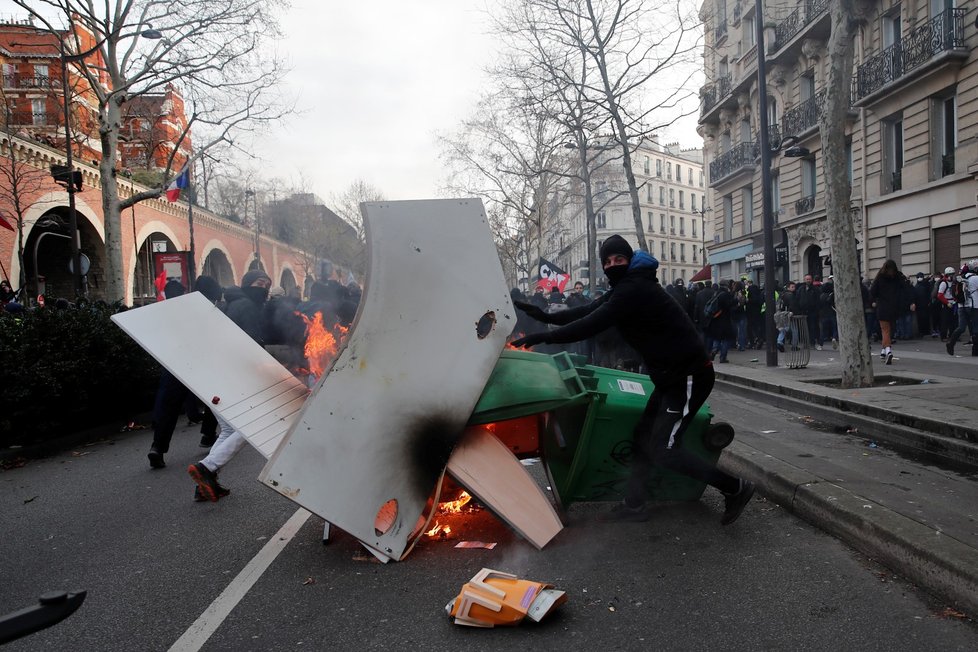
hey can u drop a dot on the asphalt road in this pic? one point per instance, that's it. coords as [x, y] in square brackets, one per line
[97, 518]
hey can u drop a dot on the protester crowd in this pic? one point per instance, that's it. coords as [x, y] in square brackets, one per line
[942, 305]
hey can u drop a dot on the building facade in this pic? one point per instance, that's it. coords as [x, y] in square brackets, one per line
[912, 137]
[672, 189]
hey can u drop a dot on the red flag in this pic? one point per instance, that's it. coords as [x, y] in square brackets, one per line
[160, 283]
[5, 224]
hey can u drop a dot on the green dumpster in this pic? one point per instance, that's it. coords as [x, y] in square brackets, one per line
[579, 419]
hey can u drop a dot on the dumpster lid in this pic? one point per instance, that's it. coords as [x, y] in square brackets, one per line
[524, 383]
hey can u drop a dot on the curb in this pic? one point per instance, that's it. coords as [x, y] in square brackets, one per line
[949, 430]
[926, 556]
[56, 445]
[948, 450]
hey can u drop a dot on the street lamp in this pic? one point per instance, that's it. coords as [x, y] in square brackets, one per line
[254, 205]
[765, 153]
[80, 289]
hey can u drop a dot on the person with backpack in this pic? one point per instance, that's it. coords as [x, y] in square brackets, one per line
[718, 316]
[656, 326]
[946, 303]
[967, 291]
[783, 317]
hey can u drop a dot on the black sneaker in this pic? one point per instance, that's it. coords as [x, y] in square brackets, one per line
[221, 493]
[889, 358]
[206, 441]
[206, 481]
[950, 348]
[622, 513]
[735, 503]
[155, 459]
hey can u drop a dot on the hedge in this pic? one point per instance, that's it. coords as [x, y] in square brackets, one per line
[69, 369]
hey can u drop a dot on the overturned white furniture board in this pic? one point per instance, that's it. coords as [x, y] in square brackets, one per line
[489, 471]
[375, 435]
[214, 358]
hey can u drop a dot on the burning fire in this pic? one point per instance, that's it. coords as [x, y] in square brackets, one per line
[516, 336]
[448, 507]
[321, 343]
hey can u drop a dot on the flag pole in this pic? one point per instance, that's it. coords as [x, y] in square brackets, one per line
[191, 267]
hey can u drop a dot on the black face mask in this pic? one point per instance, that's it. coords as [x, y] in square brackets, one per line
[256, 294]
[615, 273]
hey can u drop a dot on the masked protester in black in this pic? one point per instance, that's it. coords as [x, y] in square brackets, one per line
[661, 331]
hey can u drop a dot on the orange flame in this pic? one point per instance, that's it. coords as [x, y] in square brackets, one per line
[439, 530]
[455, 506]
[321, 343]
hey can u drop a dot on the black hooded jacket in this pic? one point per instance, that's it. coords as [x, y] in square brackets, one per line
[244, 312]
[649, 320]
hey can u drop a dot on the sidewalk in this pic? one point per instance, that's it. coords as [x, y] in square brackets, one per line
[917, 517]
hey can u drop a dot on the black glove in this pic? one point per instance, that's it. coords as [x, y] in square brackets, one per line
[533, 311]
[530, 340]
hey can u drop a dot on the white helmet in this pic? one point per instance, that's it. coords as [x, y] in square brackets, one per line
[948, 270]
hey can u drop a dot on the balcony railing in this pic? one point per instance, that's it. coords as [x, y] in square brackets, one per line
[773, 135]
[35, 82]
[803, 117]
[24, 118]
[787, 28]
[805, 205]
[716, 92]
[943, 33]
[737, 157]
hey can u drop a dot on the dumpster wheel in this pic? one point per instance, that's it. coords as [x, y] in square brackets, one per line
[718, 436]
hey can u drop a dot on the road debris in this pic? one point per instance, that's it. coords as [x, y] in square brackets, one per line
[493, 598]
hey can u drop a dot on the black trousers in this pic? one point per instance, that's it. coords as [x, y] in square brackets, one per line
[658, 435]
[171, 401]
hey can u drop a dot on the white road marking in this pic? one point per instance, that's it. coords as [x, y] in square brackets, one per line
[205, 626]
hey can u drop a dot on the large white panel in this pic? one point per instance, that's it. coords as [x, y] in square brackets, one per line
[382, 423]
[212, 357]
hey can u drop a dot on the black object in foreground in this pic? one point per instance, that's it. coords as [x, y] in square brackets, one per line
[52, 608]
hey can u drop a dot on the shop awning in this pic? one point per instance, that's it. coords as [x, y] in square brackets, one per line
[704, 274]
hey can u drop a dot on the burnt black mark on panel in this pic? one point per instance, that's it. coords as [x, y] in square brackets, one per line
[430, 441]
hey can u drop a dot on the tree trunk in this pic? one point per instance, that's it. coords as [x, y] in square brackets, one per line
[114, 288]
[857, 369]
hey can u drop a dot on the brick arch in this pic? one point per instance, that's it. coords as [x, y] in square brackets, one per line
[211, 245]
[44, 204]
[283, 268]
[142, 235]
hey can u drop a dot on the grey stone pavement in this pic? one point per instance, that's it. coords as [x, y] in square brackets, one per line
[910, 498]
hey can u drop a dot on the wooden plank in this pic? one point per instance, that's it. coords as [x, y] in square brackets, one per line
[490, 472]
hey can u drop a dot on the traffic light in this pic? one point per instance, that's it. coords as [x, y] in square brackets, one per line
[67, 176]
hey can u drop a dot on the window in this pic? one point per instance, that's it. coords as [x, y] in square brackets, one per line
[662, 250]
[747, 197]
[808, 179]
[893, 153]
[806, 86]
[668, 170]
[662, 195]
[646, 165]
[658, 167]
[692, 201]
[682, 225]
[601, 220]
[692, 223]
[689, 176]
[39, 113]
[672, 224]
[650, 227]
[892, 31]
[944, 135]
[672, 196]
[747, 24]
[695, 249]
[701, 178]
[728, 217]
[682, 199]
[9, 72]
[648, 192]
[672, 251]
[682, 252]
[745, 134]
[662, 222]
